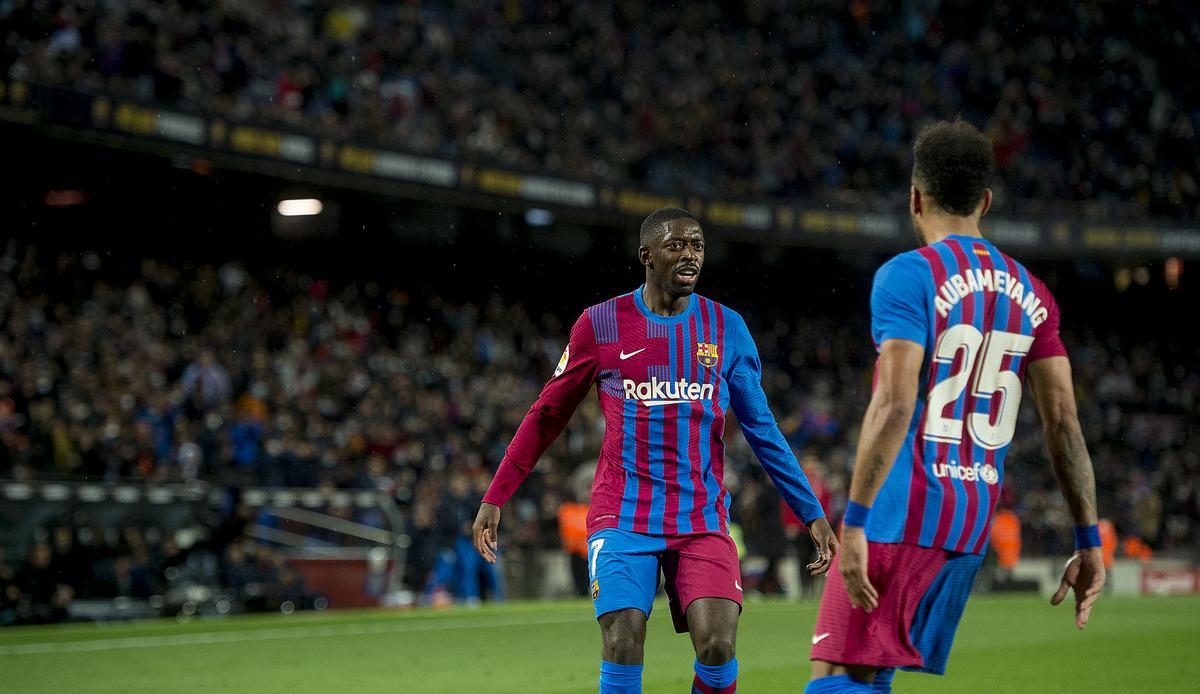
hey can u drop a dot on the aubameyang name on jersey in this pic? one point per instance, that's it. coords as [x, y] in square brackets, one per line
[976, 280]
[656, 392]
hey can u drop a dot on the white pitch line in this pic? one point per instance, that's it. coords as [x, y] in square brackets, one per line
[269, 634]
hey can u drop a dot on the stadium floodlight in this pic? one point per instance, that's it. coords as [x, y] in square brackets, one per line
[301, 207]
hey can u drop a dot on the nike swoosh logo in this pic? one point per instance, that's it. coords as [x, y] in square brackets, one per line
[737, 584]
[820, 637]
[625, 356]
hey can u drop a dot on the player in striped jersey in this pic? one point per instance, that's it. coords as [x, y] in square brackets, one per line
[957, 324]
[669, 364]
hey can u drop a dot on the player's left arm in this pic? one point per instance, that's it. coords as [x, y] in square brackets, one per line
[772, 449]
[1054, 392]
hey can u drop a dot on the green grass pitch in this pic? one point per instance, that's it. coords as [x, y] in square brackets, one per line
[1005, 644]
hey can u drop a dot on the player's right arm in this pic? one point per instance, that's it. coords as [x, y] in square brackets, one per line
[884, 428]
[543, 423]
[900, 326]
[1054, 392]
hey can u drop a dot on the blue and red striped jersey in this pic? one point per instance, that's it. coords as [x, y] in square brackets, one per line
[665, 385]
[982, 318]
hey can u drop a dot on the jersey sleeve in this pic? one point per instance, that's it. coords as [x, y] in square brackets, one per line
[549, 414]
[1046, 340]
[899, 296]
[759, 426]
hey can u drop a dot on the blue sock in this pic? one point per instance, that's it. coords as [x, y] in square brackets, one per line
[620, 679]
[715, 678]
[836, 684]
[883, 681]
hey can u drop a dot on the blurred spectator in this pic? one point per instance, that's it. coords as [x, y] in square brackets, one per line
[205, 381]
[1135, 547]
[423, 553]
[572, 531]
[471, 573]
[797, 533]
[1006, 539]
[763, 534]
[39, 596]
[1108, 542]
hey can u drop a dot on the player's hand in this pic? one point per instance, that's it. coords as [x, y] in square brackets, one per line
[484, 532]
[853, 567]
[827, 545]
[1085, 574]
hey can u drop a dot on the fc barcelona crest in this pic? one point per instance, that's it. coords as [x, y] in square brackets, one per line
[707, 354]
[595, 590]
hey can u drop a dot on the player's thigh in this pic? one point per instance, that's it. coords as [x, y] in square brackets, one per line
[699, 566]
[623, 570]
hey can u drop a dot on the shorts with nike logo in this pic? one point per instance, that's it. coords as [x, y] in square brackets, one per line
[624, 566]
[922, 594]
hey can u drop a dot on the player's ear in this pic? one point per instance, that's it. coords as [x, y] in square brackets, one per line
[914, 200]
[987, 202]
[644, 256]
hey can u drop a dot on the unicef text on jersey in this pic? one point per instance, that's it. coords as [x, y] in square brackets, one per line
[985, 472]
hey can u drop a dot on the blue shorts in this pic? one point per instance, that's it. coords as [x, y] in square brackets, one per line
[623, 567]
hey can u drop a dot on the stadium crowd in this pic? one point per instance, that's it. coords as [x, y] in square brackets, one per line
[279, 378]
[1085, 101]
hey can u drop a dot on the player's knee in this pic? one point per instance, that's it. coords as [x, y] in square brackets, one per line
[715, 648]
[624, 633]
[623, 647]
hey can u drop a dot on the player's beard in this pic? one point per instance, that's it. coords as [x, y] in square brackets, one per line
[682, 289]
[917, 230]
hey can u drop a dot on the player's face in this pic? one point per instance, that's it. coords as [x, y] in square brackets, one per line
[675, 259]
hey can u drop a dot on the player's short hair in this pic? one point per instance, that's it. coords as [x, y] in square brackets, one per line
[655, 224]
[953, 163]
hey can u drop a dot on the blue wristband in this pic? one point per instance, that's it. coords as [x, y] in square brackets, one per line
[1087, 536]
[856, 515]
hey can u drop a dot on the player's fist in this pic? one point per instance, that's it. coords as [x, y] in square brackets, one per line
[1085, 574]
[484, 531]
[827, 545]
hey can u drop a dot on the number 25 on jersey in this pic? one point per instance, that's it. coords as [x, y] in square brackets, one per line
[981, 367]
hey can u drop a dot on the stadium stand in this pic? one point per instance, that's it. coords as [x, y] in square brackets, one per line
[816, 99]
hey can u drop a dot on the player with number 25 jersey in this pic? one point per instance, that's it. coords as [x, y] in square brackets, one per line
[957, 324]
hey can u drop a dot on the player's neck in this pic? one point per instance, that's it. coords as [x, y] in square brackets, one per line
[941, 226]
[663, 303]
